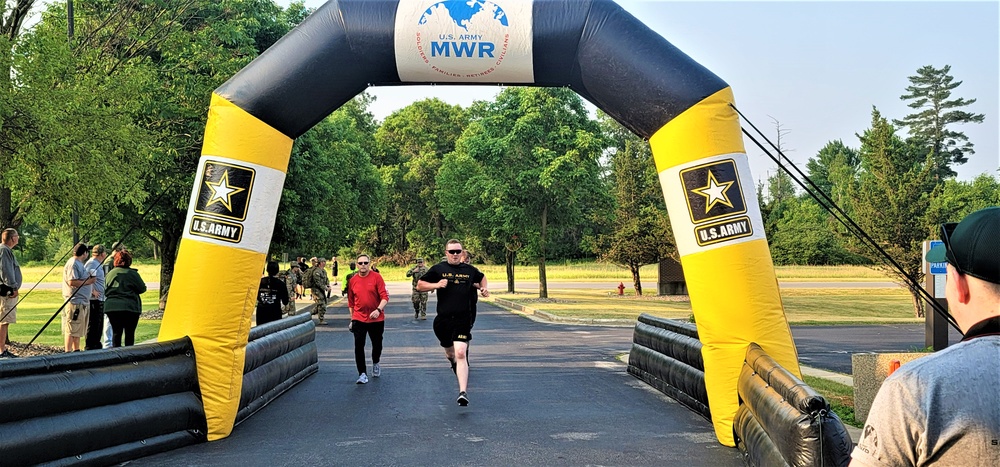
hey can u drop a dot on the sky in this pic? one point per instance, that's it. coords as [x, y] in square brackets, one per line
[818, 68]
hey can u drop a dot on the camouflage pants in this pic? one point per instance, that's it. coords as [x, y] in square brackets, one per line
[419, 300]
[320, 300]
[290, 308]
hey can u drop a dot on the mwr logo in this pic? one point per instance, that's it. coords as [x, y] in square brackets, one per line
[463, 38]
[225, 191]
[721, 231]
[713, 191]
[220, 230]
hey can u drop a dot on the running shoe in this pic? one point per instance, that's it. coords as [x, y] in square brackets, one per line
[463, 399]
[376, 370]
[7, 354]
[363, 379]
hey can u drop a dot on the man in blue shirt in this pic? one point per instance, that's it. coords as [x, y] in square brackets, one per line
[76, 288]
[95, 322]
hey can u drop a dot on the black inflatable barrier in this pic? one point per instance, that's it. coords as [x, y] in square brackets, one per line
[100, 407]
[666, 354]
[279, 355]
[782, 418]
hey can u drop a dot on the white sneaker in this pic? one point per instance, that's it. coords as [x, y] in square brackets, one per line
[376, 370]
[363, 379]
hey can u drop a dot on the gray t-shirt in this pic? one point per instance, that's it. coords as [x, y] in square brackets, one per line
[94, 268]
[75, 270]
[943, 409]
[10, 271]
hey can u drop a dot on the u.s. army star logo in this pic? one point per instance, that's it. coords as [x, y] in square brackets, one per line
[225, 191]
[713, 191]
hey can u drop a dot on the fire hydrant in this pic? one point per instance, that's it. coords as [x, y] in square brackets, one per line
[621, 288]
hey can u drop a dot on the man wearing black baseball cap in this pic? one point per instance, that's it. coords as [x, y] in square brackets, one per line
[945, 408]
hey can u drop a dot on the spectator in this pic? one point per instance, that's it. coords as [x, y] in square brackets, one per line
[290, 278]
[272, 295]
[10, 283]
[108, 335]
[335, 270]
[76, 287]
[320, 289]
[366, 300]
[418, 298]
[124, 304]
[95, 324]
[347, 279]
[299, 290]
[943, 409]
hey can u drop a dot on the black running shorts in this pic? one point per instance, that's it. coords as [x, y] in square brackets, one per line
[449, 329]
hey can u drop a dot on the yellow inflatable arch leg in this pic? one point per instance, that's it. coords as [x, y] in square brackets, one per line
[705, 175]
[236, 192]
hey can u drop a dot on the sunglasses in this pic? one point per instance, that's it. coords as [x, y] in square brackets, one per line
[454, 252]
[363, 262]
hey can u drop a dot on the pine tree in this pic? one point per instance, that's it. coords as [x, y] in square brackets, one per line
[930, 90]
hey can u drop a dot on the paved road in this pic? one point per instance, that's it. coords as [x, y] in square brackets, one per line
[541, 394]
[830, 347]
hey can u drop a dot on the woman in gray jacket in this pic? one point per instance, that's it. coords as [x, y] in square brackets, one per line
[123, 305]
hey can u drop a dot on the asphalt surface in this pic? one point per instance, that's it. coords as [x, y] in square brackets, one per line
[541, 394]
[830, 347]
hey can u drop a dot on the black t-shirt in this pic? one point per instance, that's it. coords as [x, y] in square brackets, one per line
[271, 296]
[453, 300]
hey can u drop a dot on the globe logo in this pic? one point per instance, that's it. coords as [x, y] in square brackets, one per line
[463, 39]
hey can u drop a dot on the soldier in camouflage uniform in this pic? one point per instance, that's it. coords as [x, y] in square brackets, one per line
[419, 299]
[320, 289]
[291, 279]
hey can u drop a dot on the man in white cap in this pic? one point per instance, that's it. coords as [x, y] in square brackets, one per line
[944, 409]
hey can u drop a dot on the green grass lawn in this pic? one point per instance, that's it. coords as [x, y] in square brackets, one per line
[32, 274]
[595, 271]
[840, 397]
[35, 309]
[802, 306]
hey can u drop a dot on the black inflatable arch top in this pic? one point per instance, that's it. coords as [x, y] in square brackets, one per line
[591, 46]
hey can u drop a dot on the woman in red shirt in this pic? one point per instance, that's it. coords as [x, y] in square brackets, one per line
[366, 300]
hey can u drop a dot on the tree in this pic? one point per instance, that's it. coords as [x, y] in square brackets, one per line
[780, 187]
[530, 170]
[332, 191]
[189, 49]
[822, 168]
[640, 231]
[958, 199]
[929, 92]
[805, 235]
[71, 147]
[411, 145]
[890, 200]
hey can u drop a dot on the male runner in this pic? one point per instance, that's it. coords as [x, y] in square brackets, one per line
[454, 282]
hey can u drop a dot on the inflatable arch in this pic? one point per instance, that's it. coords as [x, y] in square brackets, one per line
[593, 46]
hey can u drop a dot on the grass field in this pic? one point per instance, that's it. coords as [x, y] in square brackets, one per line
[840, 397]
[35, 309]
[802, 306]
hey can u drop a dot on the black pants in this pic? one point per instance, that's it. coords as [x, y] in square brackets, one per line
[372, 330]
[123, 322]
[95, 326]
